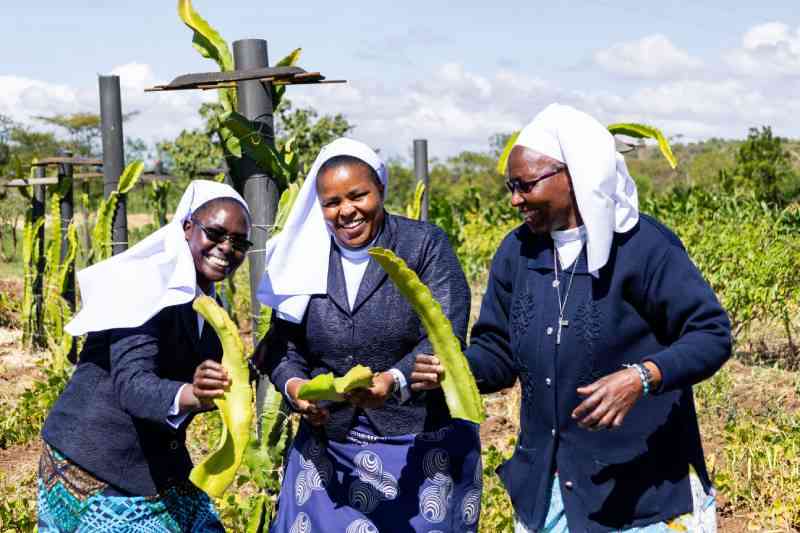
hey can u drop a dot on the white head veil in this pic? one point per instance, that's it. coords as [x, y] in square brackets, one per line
[128, 289]
[604, 190]
[297, 258]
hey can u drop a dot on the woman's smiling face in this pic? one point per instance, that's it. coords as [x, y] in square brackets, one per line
[215, 261]
[352, 202]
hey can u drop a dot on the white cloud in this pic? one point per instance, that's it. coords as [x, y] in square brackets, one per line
[770, 50]
[161, 115]
[653, 56]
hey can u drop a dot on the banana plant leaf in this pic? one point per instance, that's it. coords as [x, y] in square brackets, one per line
[216, 472]
[326, 387]
[458, 383]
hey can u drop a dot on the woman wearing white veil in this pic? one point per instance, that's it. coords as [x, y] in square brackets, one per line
[599, 312]
[385, 459]
[114, 455]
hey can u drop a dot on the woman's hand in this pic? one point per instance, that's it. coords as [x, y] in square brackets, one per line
[427, 374]
[210, 381]
[609, 399]
[313, 413]
[375, 396]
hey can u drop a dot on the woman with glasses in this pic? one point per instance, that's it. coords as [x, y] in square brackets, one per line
[114, 455]
[599, 312]
[384, 459]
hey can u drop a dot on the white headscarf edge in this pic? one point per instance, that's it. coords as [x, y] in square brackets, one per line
[297, 258]
[128, 289]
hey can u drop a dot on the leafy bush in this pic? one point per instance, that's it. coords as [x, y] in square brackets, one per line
[21, 421]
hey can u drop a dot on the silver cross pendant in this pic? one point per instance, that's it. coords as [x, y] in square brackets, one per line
[561, 323]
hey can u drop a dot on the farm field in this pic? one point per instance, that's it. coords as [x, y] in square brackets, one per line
[734, 203]
[748, 416]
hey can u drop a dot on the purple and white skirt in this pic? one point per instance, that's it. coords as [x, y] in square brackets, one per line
[425, 482]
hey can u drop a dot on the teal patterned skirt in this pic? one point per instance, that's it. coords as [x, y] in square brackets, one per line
[72, 500]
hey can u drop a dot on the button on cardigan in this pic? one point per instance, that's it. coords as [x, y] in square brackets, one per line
[648, 303]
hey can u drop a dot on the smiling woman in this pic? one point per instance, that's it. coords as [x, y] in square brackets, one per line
[351, 196]
[383, 459]
[114, 457]
[217, 235]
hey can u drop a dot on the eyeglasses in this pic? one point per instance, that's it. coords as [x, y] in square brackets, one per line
[218, 236]
[524, 187]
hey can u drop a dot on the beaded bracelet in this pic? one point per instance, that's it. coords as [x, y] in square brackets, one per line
[644, 376]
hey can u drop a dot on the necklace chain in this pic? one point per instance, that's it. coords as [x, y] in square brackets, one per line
[557, 284]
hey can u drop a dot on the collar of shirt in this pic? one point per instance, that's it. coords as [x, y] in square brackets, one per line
[569, 243]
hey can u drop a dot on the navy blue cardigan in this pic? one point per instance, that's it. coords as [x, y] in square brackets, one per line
[381, 332]
[111, 418]
[649, 303]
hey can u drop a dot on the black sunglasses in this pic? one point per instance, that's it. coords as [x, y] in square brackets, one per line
[524, 187]
[218, 236]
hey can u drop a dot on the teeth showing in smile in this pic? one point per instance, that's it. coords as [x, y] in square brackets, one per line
[353, 224]
[217, 261]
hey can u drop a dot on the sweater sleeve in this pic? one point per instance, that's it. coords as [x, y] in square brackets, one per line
[140, 391]
[280, 353]
[489, 353]
[442, 273]
[684, 307]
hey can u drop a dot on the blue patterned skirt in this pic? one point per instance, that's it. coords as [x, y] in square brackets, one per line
[426, 482]
[72, 500]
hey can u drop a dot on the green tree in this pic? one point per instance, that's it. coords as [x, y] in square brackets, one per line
[308, 130]
[83, 129]
[763, 168]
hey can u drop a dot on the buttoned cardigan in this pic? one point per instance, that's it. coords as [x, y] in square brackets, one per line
[648, 303]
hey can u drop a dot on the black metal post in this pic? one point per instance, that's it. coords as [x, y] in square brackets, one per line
[38, 208]
[113, 156]
[66, 210]
[259, 189]
[421, 172]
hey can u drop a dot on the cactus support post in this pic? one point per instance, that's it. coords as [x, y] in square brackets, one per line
[113, 156]
[259, 189]
[421, 172]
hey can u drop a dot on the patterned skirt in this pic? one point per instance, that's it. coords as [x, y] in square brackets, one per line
[72, 500]
[425, 482]
[703, 518]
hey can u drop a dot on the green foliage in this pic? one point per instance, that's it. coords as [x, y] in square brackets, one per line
[502, 162]
[496, 510]
[458, 383]
[22, 420]
[102, 236]
[157, 197]
[9, 311]
[17, 509]
[414, 209]
[763, 169]
[308, 131]
[281, 163]
[205, 39]
[747, 250]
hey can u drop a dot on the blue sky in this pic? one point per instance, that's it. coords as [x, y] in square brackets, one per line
[426, 69]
